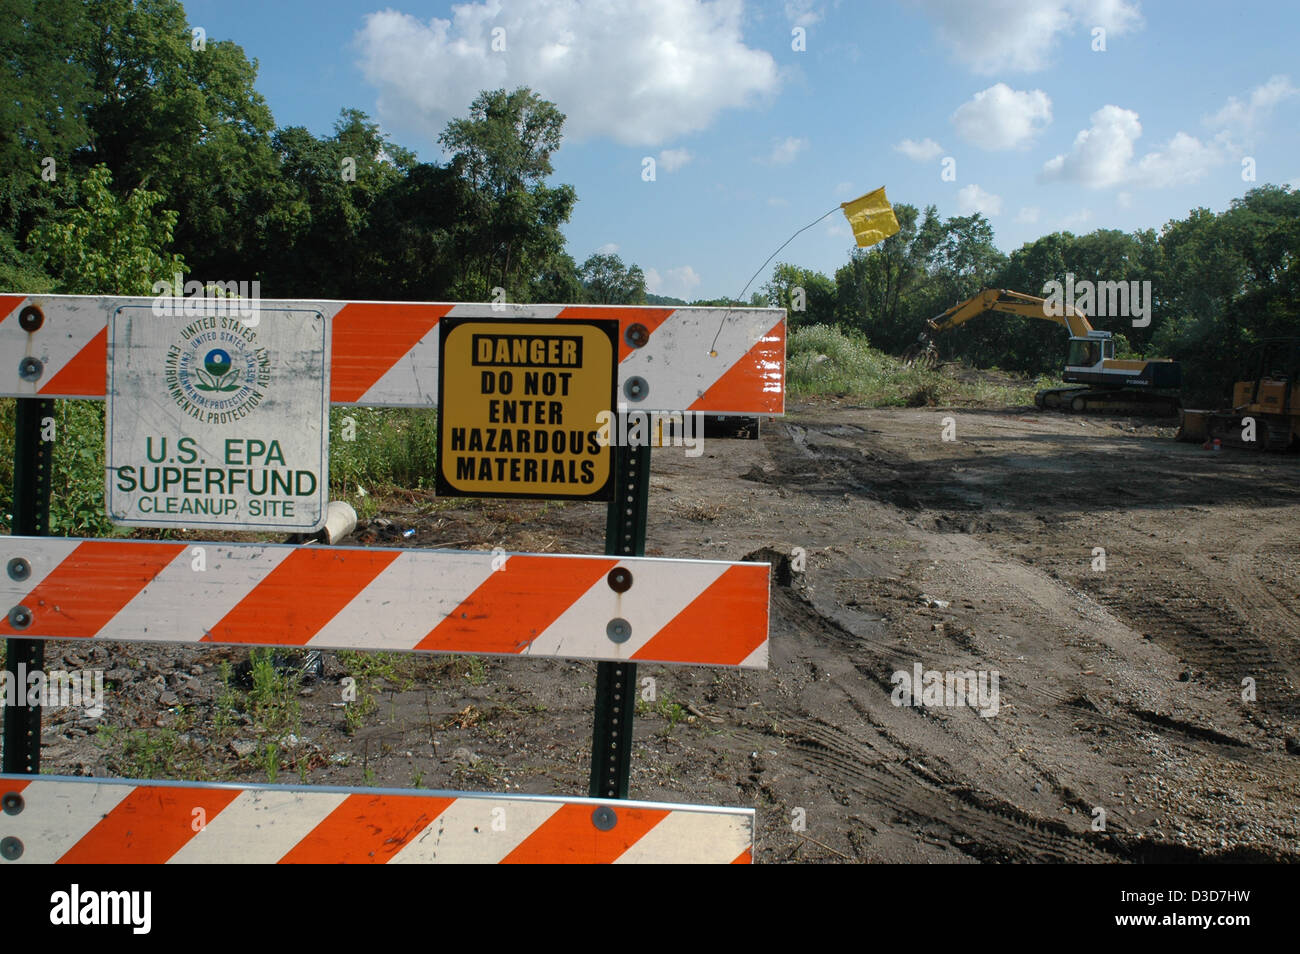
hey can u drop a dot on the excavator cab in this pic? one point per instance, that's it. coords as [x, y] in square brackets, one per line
[1087, 354]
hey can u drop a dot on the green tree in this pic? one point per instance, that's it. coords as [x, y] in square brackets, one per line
[1227, 281]
[321, 234]
[607, 281]
[44, 94]
[890, 289]
[557, 279]
[183, 122]
[807, 295]
[108, 246]
[510, 236]
[1010, 341]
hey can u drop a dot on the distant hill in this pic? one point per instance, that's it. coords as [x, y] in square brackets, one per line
[662, 300]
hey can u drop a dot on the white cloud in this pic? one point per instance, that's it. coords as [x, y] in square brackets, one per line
[1241, 118]
[1185, 159]
[1124, 199]
[784, 151]
[993, 36]
[670, 160]
[640, 72]
[972, 199]
[1027, 215]
[609, 248]
[922, 151]
[802, 12]
[844, 189]
[1102, 155]
[673, 282]
[1003, 118]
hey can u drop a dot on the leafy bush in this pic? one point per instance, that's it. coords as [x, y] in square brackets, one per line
[77, 476]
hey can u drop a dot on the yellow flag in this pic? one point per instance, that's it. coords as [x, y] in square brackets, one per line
[871, 218]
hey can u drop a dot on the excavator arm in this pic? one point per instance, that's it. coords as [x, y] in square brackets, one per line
[1011, 303]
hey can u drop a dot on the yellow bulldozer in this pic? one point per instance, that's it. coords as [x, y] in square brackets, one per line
[1104, 383]
[1265, 412]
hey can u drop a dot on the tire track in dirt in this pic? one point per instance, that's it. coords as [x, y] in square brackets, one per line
[893, 778]
[976, 823]
[903, 765]
[1210, 636]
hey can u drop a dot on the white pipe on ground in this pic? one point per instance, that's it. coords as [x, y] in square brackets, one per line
[340, 521]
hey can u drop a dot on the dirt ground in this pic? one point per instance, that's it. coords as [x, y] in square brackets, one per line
[1120, 689]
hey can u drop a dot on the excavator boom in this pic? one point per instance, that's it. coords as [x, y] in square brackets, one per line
[1012, 303]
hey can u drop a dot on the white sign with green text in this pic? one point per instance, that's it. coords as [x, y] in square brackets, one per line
[217, 419]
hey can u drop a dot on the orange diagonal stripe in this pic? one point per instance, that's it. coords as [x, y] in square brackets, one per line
[513, 606]
[746, 857]
[148, 826]
[370, 337]
[91, 586]
[367, 829]
[571, 837]
[722, 625]
[292, 602]
[753, 385]
[86, 373]
[9, 304]
[652, 318]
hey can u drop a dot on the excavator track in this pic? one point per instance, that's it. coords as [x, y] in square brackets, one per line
[1277, 434]
[1107, 401]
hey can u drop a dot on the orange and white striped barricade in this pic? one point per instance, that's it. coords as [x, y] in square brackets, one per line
[56, 819]
[618, 610]
[640, 609]
[712, 360]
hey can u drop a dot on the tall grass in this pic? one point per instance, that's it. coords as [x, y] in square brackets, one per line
[825, 360]
[390, 447]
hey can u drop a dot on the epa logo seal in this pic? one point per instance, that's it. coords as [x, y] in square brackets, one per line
[216, 372]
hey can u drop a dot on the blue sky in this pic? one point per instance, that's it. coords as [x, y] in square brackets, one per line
[753, 139]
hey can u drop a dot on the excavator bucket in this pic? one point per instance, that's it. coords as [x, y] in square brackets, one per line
[923, 354]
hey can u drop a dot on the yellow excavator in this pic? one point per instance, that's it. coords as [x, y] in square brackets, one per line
[1106, 383]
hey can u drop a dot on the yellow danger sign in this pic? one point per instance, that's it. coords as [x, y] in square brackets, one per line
[521, 404]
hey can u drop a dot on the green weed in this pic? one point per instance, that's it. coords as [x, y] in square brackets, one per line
[273, 700]
[390, 447]
[271, 761]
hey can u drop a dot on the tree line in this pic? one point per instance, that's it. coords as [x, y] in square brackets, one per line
[1219, 284]
[131, 149]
